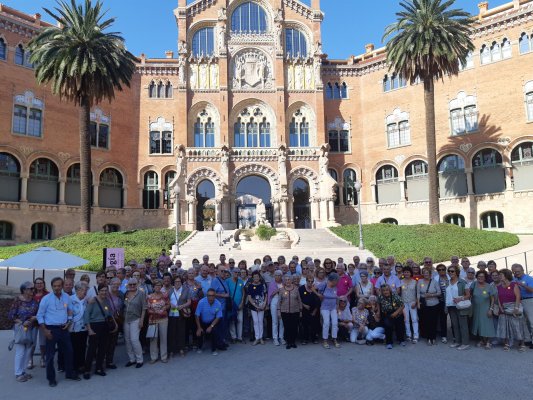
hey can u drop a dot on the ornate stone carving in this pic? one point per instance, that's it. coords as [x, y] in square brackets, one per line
[222, 39]
[399, 159]
[182, 65]
[63, 156]
[252, 70]
[181, 162]
[97, 162]
[222, 14]
[256, 169]
[182, 48]
[26, 150]
[204, 74]
[224, 163]
[199, 175]
[504, 141]
[282, 165]
[465, 147]
[327, 183]
[309, 175]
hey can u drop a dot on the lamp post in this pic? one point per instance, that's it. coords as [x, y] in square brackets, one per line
[177, 191]
[357, 187]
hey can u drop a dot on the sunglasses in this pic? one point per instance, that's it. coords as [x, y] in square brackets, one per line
[378, 273]
[132, 284]
[451, 271]
[173, 269]
[109, 277]
[441, 269]
[427, 262]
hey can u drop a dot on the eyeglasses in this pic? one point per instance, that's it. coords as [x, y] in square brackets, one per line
[109, 277]
[304, 268]
[427, 262]
[378, 273]
[132, 284]
[441, 269]
[451, 271]
[173, 269]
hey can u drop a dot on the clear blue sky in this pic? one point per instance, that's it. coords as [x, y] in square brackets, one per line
[149, 26]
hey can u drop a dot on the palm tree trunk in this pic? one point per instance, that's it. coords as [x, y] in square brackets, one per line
[431, 148]
[85, 166]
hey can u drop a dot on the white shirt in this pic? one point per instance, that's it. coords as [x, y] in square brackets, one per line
[452, 291]
[218, 227]
[174, 299]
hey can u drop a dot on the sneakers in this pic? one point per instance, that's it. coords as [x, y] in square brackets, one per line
[214, 353]
[414, 341]
[255, 342]
[283, 342]
[336, 344]
[325, 344]
[464, 347]
[455, 345]
[22, 378]
[389, 346]
[276, 342]
[403, 344]
[444, 340]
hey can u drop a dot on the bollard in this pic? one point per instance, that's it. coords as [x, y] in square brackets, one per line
[7, 276]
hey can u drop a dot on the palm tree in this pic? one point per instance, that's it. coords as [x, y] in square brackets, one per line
[429, 41]
[84, 65]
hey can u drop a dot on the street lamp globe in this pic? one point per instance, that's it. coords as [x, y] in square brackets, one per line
[177, 189]
[357, 186]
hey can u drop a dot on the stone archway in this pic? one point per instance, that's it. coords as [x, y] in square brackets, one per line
[194, 202]
[304, 192]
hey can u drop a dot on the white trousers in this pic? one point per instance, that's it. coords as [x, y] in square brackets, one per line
[257, 317]
[22, 357]
[277, 323]
[133, 344]
[413, 313]
[377, 333]
[329, 318]
[162, 329]
[235, 326]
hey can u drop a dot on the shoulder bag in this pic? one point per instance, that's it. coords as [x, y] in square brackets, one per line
[229, 302]
[109, 320]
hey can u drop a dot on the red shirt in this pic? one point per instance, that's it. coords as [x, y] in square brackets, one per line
[344, 285]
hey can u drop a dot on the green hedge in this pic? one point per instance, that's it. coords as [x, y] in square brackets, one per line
[138, 245]
[417, 241]
[264, 232]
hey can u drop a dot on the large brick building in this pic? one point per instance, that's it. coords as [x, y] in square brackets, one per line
[251, 111]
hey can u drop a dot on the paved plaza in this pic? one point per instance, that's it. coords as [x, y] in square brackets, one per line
[308, 372]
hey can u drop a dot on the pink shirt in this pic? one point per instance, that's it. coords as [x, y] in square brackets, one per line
[506, 293]
[345, 284]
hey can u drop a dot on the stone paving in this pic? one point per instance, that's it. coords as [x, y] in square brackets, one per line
[308, 372]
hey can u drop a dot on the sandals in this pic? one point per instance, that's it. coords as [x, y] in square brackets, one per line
[522, 348]
[336, 344]
[506, 347]
[488, 346]
[325, 345]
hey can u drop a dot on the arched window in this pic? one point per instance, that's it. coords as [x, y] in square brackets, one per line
[41, 231]
[334, 175]
[522, 161]
[161, 133]
[350, 194]
[252, 129]
[417, 170]
[386, 83]
[152, 90]
[387, 174]
[167, 192]
[6, 230]
[19, 55]
[9, 178]
[99, 128]
[344, 91]
[416, 175]
[529, 100]
[295, 43]
[249, 18]
[160, 90]
[452, 176]
[495, 52]
[489, 175]
[455, 219]
[28, 115]
[492, 220]
[329, 91]
[507, 50]
[337, 91]
[487, 158]
[485, 54]
[110, 189]
[523, 154]
[398, 134]
[390, 221]
[168, 90]
[524, 43]
[3, 49]
[43, 183]
[111, 228]
[469, 63]
[203, 42]
[204, 130]
[151, 191]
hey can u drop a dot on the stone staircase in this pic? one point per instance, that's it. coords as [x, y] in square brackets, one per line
[316, 243]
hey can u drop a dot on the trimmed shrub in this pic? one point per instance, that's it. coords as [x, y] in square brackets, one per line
[264, 232]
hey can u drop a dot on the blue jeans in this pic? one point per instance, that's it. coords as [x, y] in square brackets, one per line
[61, 338]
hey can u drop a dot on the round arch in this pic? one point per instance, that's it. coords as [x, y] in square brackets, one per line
[307, 112]
[194, 113]
[306, 174]
[144, 170]
[253, 104]
[112, 165]
[482, 146]
[260, 170]
[380, 164]
[200, 174]
[43, 154]
[270, 15]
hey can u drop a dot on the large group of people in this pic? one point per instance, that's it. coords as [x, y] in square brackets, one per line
[166, 310]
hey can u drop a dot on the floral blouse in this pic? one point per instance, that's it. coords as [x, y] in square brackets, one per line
[360, 317]
[23, 310]
[390, 304]
[157, 308]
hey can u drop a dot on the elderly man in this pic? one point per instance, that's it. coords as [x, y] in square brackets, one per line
[525, 282]
[345, 284]
[68, 286]
[54, 318]
[70, 274]
[388, 279]
[222, 294]
[268, 275]
[205, 260]
[93, 291]
[204, 279]
[208, 315]
[465, 264]
[236, 290]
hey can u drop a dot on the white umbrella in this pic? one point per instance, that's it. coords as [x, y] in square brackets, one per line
[44, 258]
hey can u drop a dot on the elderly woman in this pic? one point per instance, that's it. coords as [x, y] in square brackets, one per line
[320, 277]
[375, 325]
[391, 310]
[428, 293]
[273, 298]
[310, 311]
[157, 308]
[96, 315]
[327, 293]
[256, 294]
[360, 322]
[23, 313]
[408, 292]
[134, 311]
[142, 282]
[364, 288]
[289, 309]
[457, 292]
[180, 303]
[115, 298]
[78, 329]
[195, 293]
[39, 291]
[345, 321]
[511, 324]
[483, 301]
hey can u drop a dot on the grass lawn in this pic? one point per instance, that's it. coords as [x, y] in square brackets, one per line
[137, 244]
[417, 241]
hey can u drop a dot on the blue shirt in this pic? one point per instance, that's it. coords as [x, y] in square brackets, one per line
[220, 287]
[208, 312]
[54, 310]
[528, 281]
[392, 281]
[205, 282]
[235, 287]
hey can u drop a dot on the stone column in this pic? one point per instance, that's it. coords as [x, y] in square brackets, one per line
[191, 214]
[275, 205]
[283, 209]
[225, 211]
[218, 210]
[233, 212]
[315, 212]
[323, 212]
[24, 188]
[290, 210]
[124, 196]
[373, 190]
[331, 210]
[95, 195]
[469, 181]
[341, 194]
[402, 191]
[62, 183]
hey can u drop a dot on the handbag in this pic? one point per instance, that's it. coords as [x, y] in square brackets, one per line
[109, 320]
[508, 309]
[22, 335]
[464, 305]
[153, 331]
[423, 299]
